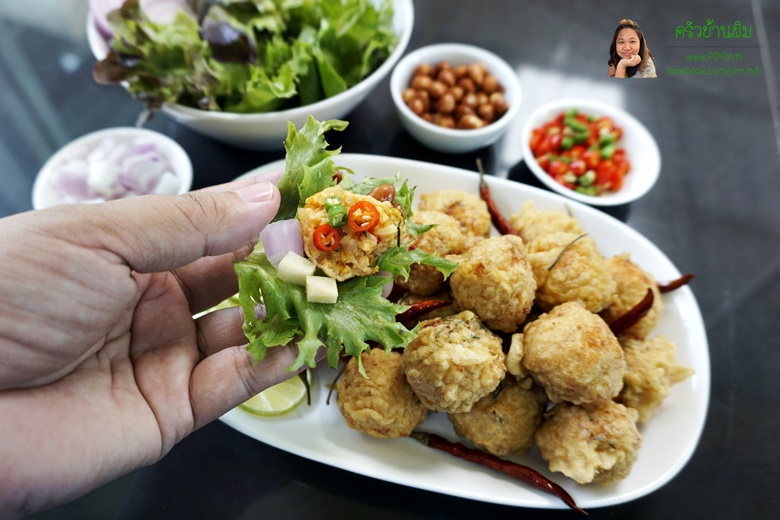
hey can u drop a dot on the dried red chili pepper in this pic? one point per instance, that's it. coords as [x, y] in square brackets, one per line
[499, 221]
[418, 309]
[518, 471]
[633, 315]
[675, 284]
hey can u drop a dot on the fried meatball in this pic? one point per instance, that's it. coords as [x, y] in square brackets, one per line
[573, 355]
[494, 280]
[590, 443]
[382, 404]
[467, 208]
[632, 283]
[503, 421]
[453, 362]
[531, 222]
[579, 272]
[651, 370]
[357, 253]
[444, 238]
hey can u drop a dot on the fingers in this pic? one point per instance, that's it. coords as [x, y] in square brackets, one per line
[219, 330]
[227, 378]
[158, 233]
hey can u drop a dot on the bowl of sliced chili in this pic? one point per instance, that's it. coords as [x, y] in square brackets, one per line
[592, 152]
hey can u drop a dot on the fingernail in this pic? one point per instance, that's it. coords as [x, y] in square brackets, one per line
[257, 192]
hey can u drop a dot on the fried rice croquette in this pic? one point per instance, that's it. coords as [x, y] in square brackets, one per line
[568, 267]
[494, 280]
[453, 362]
[573, 355]
[590, 443]
[632, 283]
[651, 370]
[444, 238]
[532, 223]
[504, 421]
[382, 404]
[467, 208]
[357, 253]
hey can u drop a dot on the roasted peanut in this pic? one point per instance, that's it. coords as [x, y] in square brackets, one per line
[464, 96]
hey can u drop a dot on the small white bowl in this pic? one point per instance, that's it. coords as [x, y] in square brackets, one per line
[447, 139]
[45, 192]
[268, 131]
[641, 151]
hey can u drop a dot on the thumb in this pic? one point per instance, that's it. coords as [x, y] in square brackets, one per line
[158, 233]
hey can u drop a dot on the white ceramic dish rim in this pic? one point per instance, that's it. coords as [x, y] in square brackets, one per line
[650, 170]
[100, 49]
[43, 193]
[405, 67]
[320, 434]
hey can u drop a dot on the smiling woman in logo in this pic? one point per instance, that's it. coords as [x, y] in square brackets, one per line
[629, 56]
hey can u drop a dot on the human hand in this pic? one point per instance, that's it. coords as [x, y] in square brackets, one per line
[631, 61]
[102, 367]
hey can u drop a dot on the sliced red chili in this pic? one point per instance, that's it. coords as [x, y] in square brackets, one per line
[363, 216]
[326, 238]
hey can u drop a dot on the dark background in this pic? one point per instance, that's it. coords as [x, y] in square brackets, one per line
[715, 211]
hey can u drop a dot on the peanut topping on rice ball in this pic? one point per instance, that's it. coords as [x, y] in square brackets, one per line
[590, 443]
[573, 355]
[504, 421]
[357, 252]
[532, 223]
[467, 208]
[453, 362]
[651, 370]
[632, 285]
[494, 280]
[579, 273]
[382, 404]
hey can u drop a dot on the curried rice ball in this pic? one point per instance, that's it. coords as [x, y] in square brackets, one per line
[573, 355]
[444, 238]
[382, 404]
[503, 421]
[532, 223]
[453, 362]
[357, 253]
[590, 443]
[632, 285]
[568, 268]
[494, 280]
[468, 209]
[651, 370]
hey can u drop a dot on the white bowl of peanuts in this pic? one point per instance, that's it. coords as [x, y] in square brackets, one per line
[455, 98]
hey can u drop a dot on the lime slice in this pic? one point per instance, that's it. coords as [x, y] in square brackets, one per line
[277, 400]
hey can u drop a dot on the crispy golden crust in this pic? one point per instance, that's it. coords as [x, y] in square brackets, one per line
[590, 443]
[532, 223]
[573, 355]
[579, 272]
[453, 362]
[651, 370]
[382, 404]
[467, 208]
[443, 239]
[357, 253]
[632, 283]
[494, 280]
[503, 421]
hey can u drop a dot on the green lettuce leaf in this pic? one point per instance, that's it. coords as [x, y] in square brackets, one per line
[361, 314]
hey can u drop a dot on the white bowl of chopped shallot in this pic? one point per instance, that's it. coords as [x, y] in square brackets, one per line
[112, 164]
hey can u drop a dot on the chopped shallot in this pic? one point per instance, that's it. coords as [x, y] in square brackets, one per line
[281, 237]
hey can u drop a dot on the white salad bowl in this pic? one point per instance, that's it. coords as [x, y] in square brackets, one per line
[452, 140]
[640, 146]
[267, 131]
[49, 186]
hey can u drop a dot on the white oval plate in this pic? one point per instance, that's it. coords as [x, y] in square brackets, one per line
[319, 432]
